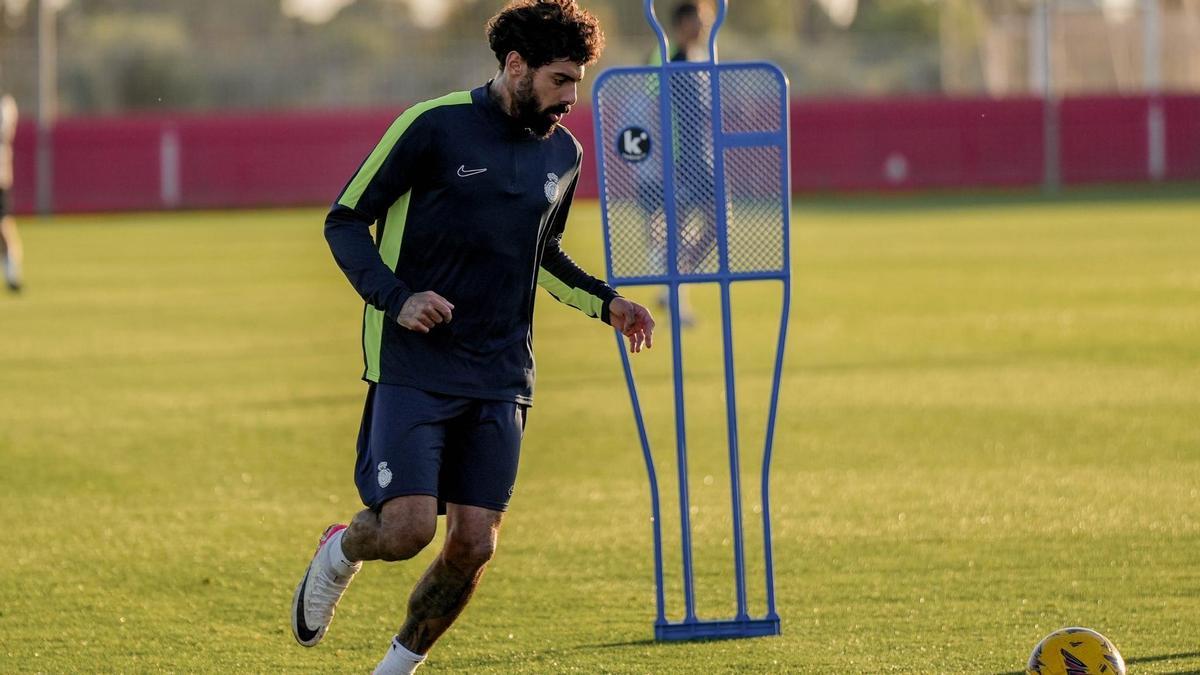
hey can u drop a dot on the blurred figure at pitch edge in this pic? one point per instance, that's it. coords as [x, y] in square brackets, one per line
[10, 241]
[469, 194]
[690, 23]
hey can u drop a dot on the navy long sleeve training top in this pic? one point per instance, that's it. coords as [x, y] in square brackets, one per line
[472, 207]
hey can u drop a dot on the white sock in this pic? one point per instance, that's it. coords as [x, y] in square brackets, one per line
[338, 562]
[399, 661]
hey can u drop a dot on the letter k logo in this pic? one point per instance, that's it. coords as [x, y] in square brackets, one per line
[633, 144]
[633, 141]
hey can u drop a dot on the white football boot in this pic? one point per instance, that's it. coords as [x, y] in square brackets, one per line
[319, 591]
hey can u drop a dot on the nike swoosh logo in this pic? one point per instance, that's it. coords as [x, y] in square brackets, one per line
[303, 634]
[464, 172]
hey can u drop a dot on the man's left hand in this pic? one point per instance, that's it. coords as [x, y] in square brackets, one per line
[634, 322]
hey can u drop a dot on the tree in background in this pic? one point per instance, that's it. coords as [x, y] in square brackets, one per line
[138, 55]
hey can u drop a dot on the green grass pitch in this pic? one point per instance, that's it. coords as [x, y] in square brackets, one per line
[988, 430]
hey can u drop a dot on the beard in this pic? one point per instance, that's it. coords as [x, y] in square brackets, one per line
[530, 115]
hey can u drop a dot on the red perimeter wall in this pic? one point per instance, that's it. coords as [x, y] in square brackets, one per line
[300, 158]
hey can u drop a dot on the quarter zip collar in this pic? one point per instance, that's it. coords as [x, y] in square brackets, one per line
[499, 118]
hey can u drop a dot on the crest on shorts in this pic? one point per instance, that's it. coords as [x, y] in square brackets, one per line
[551, 187]
[385, 475]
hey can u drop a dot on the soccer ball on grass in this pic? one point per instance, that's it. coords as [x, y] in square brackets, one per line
[1075, 651]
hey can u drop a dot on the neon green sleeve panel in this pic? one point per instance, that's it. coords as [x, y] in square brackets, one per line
[370, 167]
[397, 215]
[652, 84]
[389, 250]
[577, 298]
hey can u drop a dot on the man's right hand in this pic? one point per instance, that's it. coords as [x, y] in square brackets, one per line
[422, 311]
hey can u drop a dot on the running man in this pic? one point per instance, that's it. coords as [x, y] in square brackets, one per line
[469, 194]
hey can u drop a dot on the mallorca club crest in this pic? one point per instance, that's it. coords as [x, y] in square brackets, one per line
[385, 475]
[551, 187]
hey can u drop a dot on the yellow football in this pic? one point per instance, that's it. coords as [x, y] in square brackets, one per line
[1075, 651]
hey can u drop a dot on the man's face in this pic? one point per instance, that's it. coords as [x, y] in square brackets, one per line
[690, 29]
[544, 95]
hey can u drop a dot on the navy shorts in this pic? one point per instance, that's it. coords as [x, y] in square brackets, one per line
[460, 450]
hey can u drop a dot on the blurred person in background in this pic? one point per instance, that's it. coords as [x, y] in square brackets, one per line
[690, 23]
[469, 193]
[688, 33]
[10, 241]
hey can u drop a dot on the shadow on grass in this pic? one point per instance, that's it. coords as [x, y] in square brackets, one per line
[1164, 657]
[609, 645]
[1146, 659]
[574, 649]
[1168, 657]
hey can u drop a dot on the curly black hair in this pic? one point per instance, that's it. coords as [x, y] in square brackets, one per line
[684, 10]
[542, 31]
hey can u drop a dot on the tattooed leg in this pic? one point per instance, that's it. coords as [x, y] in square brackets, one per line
[447, 585]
